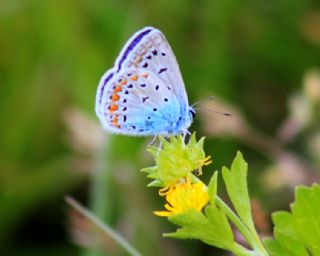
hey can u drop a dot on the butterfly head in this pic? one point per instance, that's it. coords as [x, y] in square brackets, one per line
[182, 127]
[192, 113]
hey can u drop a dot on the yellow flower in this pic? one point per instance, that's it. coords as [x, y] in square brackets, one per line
[184, 196]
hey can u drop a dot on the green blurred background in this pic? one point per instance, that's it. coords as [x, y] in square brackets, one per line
[259, 58]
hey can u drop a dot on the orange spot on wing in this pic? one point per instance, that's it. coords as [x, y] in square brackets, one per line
[115, 97]
[118, 88]
[115, 121]
[144, 75]
[134, 78]
[124, 82]
[113, 108]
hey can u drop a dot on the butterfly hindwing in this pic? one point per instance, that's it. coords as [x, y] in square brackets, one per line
[138, 103]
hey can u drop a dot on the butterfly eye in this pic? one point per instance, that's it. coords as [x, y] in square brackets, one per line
[192, 113]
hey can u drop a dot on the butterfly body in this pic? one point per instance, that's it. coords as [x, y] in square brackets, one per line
[144, 94]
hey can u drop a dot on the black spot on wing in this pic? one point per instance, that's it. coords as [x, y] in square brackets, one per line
[162, 70]
[144, 99]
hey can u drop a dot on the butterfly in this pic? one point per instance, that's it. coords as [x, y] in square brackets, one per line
[144, 94]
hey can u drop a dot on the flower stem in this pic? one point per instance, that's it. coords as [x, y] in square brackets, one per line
[259, 243]
[106, 229]
[239, 250]
[252, 239]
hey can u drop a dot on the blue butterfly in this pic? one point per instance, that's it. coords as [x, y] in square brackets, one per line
[144, 94]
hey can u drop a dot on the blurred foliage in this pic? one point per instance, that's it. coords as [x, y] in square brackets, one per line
[254, 55]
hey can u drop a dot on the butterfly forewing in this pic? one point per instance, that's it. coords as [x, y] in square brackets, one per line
[155, 54]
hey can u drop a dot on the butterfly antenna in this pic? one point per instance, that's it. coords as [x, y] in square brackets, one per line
[213, 111]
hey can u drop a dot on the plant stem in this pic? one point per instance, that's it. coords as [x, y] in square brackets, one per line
[99, 201]
[258, 242]
[106, 229]
[100, 181]
[252, 239]
[239, 250]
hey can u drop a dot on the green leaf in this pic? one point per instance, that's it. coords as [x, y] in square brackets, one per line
[306, 215]
[192, 223]
[298, 233]
[285, 234]
[284, 223]
[285, 245]
[237, 187]
[212, 188]
[219, 224]
[212, 228]
[275, 248]
[293, 246]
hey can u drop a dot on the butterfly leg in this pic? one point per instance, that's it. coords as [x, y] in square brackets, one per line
[160, 147]
[153, 141]
[184, 134]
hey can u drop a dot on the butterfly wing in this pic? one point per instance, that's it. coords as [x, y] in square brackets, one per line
[137, 102]
[144, 93]
[150, 50]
